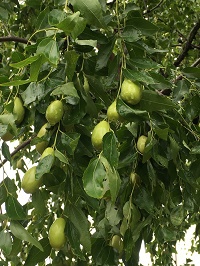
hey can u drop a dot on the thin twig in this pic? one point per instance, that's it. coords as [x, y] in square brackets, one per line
[18, 148]
[187, 46]
[196, 63]
[155, 7]
[13, 39]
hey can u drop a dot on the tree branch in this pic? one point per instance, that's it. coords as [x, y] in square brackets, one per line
[187, 46]
[13, 39]
[19, 147]
[151, 10]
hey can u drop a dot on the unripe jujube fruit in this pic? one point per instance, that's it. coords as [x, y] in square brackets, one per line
[112, 113]
[41, 146]
[54, 112]
[131, 92]
[98, 133]
[117, 243]
[29, 183]
[18, 110]
[141, 142]
[57, 234]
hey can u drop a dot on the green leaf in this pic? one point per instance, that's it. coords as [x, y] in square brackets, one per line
[61, 156]
[97, 88]
[42, 20]
[70, 92]
[35, 255]
[104, 53]
[10, 185]
[26, 61]
[70, 141]
[90, 10]
[93, 179]
[35, 68]
[138, 76]
[129, 112]
[110, 149]
[130, 34]
[56, 16]
[143, 63]
[102, 253]
[14, 209]
[161, 132]
[35, 91]
[49, 48]
[44, 166]
[16, 82]
[3, 194]
[20, 232]
[145, 201]
[195, 150]
[191, 72]
[69, 23]
[113, 178]
[71, 61]
[112, 214]
[152, 101]
[3, 14]
[38, 201]
[5, 151]
[177, 215]
[79, 220]
[73, 237]
[5, 242]
[143, 25]
[181, 89]
[79, 27]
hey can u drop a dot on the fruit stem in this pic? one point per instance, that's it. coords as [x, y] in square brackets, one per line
[55, 140]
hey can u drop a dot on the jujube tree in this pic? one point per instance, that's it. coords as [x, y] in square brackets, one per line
[103, 99]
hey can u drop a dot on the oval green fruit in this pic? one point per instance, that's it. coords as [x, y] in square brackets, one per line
[54, 112]
[117, 243]
[141, 143]
[20, 164]
[98, 132]
[112, 113]
[131, 92]
[47, 151]
[134, 178]
[56, 234]
[41, 146]
[29, 183]
[18, 110]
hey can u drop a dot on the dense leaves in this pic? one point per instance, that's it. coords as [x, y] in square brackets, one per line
[79, 53]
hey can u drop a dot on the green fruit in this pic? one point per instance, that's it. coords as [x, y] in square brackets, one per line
[54, 112]
[141, 143]
[41, 146]
[29, 183]
[47, 151]
[56, 234]
[112, 113]
[134, 178]
[18, 110]
[20, 164]
[7, 136]
[98, 132]
[131, 92]
[117, 243]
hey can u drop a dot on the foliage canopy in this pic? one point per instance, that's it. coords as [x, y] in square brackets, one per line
[79, 52]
